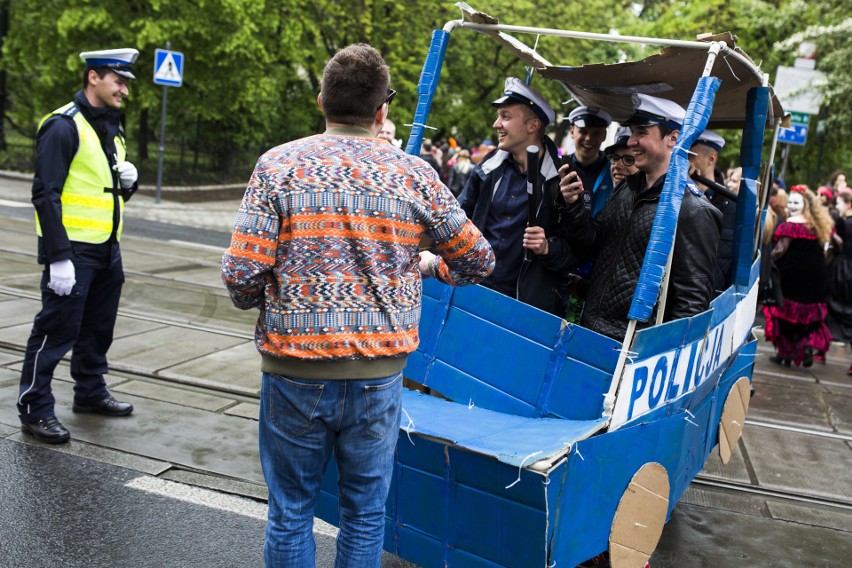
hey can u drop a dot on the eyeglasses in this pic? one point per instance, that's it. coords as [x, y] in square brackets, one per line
[627, 159]
[389, 99]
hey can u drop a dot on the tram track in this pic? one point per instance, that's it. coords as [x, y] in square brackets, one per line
[708, 482]
[248, 335]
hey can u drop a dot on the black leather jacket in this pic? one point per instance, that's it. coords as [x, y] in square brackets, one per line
[617, 239]
[540, 282]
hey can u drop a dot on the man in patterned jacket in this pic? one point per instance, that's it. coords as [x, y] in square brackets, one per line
[326, 246]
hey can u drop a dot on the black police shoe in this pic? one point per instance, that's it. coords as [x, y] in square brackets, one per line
[108, 407]
[47, 430]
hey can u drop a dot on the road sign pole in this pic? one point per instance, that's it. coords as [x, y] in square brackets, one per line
[785, 153]
[168, 72]
[162, 142]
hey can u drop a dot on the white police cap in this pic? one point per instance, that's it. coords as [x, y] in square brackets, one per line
[649, 110]
[589, 117]
[118, 60]
[711, 139]
[515, 91]
[622, 135]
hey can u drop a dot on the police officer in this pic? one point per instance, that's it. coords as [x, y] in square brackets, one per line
[82, 180]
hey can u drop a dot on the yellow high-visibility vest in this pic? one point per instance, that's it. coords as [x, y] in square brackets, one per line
[87, 210]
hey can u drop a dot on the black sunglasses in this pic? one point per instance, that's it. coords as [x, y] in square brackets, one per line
[626, 158]
[389, 99]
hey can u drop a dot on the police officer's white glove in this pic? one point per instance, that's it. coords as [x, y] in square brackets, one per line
[127, 174]
[61, 277]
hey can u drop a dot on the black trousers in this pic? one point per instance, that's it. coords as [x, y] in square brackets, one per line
[83, 321]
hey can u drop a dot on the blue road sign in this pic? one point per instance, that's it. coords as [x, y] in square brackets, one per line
[796, 134]
[168, 68]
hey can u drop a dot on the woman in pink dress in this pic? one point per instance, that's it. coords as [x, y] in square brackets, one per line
[797, 327]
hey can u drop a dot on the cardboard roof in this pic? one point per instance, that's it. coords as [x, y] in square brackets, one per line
[672, 74]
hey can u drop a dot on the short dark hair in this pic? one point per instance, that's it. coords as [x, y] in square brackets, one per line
[665, 130]
[101, 71]
[354, 85]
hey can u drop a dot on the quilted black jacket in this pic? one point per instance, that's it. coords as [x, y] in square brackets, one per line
[617, 238]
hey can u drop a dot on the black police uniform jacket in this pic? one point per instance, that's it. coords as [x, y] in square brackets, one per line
[542, 280]
[617, 238]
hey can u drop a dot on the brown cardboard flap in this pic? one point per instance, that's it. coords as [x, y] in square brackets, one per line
[733, 417]
[640, 517]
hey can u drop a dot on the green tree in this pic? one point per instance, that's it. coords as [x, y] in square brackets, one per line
[253, 67]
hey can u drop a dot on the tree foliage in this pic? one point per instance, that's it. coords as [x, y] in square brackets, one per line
[252, 67]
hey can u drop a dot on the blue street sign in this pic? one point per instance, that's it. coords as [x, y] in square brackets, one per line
[168, 68]
[796, 134]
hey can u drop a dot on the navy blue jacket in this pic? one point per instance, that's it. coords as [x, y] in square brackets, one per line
[541, 281]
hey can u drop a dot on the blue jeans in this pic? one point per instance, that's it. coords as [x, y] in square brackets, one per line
[301, 422]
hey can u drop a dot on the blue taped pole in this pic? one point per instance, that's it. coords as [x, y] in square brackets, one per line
[426, 88]
[751, 154]
[665, 221]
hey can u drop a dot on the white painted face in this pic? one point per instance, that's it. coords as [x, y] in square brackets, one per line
[795, 204]
[842, 207]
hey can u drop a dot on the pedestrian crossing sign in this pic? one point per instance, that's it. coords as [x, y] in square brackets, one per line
[168, 68]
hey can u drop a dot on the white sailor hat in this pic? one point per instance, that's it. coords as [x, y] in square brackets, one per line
[119, 60]
[589, 117]
[711, 139]
[516, 91]
[648, 110]
[622, 135]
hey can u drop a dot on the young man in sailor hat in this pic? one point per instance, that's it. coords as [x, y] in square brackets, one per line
[705, 156]
[82, 179]
[495, 199]
[704, 161]
[588, 132]
[618, 236]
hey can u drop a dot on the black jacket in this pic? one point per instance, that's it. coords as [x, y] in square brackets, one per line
[617, 238]
[541, 281]
[725, 257]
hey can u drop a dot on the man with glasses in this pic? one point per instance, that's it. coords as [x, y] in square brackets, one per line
[326, 246]
[588, 132]
[618, 236]
[622, 162]
[532, 259]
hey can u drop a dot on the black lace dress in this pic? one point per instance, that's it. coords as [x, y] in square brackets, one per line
[839, 285]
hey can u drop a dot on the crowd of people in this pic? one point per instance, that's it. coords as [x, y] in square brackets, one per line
[579, 254]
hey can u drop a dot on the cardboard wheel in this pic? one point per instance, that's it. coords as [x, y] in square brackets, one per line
[640, 517]
[733, 417]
